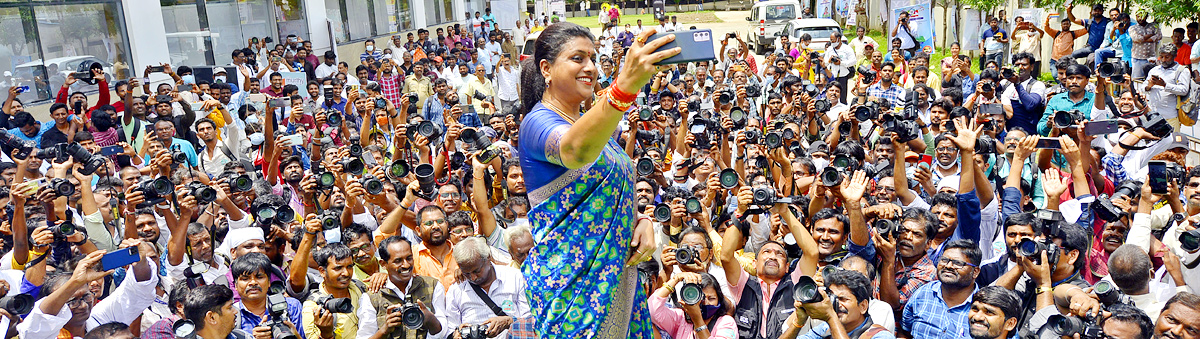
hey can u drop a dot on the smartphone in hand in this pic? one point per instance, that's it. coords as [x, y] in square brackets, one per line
[1049, 143]
[119, 258]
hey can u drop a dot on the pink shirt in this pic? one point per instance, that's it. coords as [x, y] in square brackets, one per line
[673, 321]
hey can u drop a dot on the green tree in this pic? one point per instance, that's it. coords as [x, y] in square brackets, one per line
[1169, 11]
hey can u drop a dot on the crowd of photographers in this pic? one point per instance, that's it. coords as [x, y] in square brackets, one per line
[824, 192]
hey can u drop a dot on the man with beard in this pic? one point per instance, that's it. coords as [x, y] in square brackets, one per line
[197, 242]
[1180, 318]
[1166, 83]
[1076, 98]
[905, 257]
[764, 301]
[215, 152]
[939, 309]
[885, 88]
[290, 188]
[487, 294]
[1036, 279]
[434, 252]
[336, 265]
[254, 275]
[993, 313]
[69, 308]
[383, 319]
[843, 311]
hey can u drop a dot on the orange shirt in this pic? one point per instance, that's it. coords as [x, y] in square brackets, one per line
[428, 265]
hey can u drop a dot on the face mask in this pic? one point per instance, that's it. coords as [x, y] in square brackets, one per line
[370, 48]
[252, 119]
[519, 222]
[256, 138]
[387, 56]
[709, 311]
[768, 80]
[333, 235]
[947, 167]
[219, 79]
[820, 164]
[382, 121]
[188, 79]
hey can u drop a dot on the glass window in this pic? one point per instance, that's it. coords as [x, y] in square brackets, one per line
[291, 19]
[433, 12]
[333, 11]
[359, 28]
[20, 58]
[405, 17]
[75, 34]
[185, 38]
[385, 16]
[781, 12]
[234, 22]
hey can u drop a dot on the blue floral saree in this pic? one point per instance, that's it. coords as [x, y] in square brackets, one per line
[583, 219]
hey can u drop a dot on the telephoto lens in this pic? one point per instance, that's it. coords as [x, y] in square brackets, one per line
[335, 305]
[691, 293]
[204, 194]
[662, 213]
[425, 181]
[1109, 294]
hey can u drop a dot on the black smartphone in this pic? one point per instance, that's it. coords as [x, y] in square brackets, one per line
[1049, 143]
[277, 102]
[119, 258]
[1158, 176]
[111, 150]
[991, 109]
[696, 45]
[157, 69]
[1099, 127]
[185, 88]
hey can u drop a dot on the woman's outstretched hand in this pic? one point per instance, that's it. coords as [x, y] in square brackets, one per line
[640, 59]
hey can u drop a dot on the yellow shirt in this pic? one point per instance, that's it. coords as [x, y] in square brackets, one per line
[345, 324]
[421, 87]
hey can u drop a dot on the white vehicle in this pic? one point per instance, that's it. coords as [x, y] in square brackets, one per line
[819, 29]
[527, 50]
[66, 65]
[767, 18]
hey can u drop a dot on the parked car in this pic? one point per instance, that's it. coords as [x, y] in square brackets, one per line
[819, 29]
[767, 18]
[527, 50]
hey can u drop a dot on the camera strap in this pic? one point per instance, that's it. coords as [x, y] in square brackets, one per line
[487, 300]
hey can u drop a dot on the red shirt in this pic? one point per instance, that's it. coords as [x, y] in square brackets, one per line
[1184, 55]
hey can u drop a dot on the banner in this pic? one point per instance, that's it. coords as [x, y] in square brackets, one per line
[1033, 15]
[300, 79]
[970, 30]
[825, 9]
[845, 7]
[920, 18]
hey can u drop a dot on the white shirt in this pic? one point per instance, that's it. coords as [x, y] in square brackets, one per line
[324, 70]
[124, 305]
[175, 272]
[508, 81]
[463, 306]
[368, 324]
[846, 53]
[1164, 99]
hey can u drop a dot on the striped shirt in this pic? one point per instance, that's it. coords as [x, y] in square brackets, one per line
[927, 316]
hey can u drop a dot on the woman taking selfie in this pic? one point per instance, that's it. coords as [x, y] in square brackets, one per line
[581, 275]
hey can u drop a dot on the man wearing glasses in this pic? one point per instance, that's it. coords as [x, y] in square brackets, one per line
[1036, 278]
[939, 309]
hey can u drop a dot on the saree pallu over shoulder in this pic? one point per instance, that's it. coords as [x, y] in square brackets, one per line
[583, 219]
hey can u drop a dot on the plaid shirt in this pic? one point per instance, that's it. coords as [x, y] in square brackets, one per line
[927, 316]
[161, 329]
[390, 87]
[522, 328]
[909, 279]
[893, 94]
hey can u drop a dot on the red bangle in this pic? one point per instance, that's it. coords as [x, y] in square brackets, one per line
[620, 106]
[617, 94]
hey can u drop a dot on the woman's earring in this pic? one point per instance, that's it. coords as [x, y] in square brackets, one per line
[547, 82]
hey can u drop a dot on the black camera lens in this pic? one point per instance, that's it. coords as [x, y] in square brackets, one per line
[691, 293]
[645, 114]
[806, 291]
[333, 118]
[645, 167]
[763, 196]
[356, 150]
[864, 113]
[17, 304]
[1190, 240]
[398, 169]
[427, 129]
[412, 316]
[372, 185]
[692, 205]
[773, 140]
[239, 183]
[662, 213]
[729, 178]
[62, 187]
[1028, 248]
[425, 180]
[325, 180]
[831, 177]
[352, 166]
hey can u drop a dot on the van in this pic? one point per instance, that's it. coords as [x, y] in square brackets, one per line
[766, 19]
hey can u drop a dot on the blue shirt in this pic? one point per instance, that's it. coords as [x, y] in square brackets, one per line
[184, 146]
[1062, 102]
[893, 94]
[927, 316]
[248, 320]
[821, 331]
[1096, 29]
[34, 140]
[433, 112]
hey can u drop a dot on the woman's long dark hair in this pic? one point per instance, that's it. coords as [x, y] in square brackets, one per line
[547, 47]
